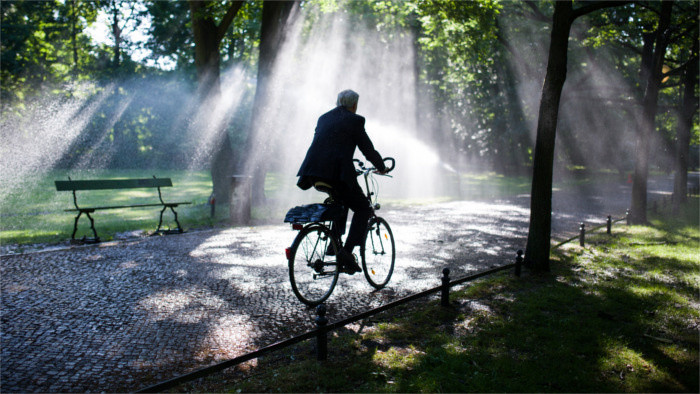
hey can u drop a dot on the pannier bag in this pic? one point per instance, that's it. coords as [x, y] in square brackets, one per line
[313, 213]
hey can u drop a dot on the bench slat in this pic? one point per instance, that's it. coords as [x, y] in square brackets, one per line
[105, 184]
[167, 204]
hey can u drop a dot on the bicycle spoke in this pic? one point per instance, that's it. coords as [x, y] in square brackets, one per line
[312, 277]
[378, 254]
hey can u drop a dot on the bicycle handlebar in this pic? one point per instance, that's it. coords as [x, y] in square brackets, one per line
[369, 169]
[393, 164]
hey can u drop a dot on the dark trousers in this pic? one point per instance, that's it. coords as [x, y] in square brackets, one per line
[352, 196]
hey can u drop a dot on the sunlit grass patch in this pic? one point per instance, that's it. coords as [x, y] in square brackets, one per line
[492, 185]
[626, 369]
[397, 357]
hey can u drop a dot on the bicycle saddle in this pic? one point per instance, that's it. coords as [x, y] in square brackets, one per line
[327, 188]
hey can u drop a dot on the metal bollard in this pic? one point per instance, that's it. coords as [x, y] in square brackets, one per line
[519, 262]
[609, 224]
[445, 296]
[321, 343]
[582, 236]
[627, 216]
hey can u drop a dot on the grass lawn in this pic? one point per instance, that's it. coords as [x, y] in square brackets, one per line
[34, 212]
[620, 315]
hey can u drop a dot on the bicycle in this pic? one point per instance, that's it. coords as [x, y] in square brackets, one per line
[313, 268]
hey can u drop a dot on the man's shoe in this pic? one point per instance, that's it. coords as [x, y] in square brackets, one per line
[348, 263]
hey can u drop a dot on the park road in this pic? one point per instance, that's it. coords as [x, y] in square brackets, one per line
[121, 316]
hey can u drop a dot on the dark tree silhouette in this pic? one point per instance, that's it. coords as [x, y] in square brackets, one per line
[638, 208]
[539, 235]
[275, 16]
[688, 109]
[207, 37]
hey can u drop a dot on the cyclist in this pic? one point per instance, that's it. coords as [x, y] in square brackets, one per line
[329, 161]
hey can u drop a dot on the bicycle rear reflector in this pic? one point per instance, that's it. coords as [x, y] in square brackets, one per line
[288, 253]
[297, 226]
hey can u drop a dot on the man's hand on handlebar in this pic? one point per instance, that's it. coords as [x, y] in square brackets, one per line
[386, 170]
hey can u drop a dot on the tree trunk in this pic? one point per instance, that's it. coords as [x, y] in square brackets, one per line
[538, 239]
[274, 18]
[638, 209]
[207, 37]
[73, 36]
[206, 50]
[116, 32]
[688, 108]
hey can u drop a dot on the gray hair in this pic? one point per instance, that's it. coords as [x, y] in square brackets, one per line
[347, 98]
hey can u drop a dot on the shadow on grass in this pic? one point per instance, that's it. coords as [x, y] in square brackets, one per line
[568, 332]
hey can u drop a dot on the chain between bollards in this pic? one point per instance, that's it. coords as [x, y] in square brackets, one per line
[445, 295]
[321, 340]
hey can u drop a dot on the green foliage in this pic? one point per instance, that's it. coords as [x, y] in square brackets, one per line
[171, 33]
[465, 66]
[37, 47]
[612, 41]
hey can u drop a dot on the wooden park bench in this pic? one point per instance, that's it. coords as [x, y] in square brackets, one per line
[109, 184]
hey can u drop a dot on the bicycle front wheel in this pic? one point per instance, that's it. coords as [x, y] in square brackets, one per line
[312, 272]
[378, 253]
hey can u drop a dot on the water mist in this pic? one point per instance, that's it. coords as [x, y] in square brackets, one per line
[309, 71]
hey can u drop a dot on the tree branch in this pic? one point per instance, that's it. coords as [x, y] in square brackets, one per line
[228, 18]
[536, 13]
[680, 69]
[595, 6]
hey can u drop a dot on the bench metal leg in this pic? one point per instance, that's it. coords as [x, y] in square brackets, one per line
[75, 225]
[178, 230]
[84, 240]
[92, 226]
[160, 221]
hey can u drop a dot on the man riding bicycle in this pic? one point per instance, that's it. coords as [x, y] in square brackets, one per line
[328, 165]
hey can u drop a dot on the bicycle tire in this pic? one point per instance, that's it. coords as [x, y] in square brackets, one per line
[378, 253]
[312, 274]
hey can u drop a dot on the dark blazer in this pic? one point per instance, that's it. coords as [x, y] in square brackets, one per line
[329, 157]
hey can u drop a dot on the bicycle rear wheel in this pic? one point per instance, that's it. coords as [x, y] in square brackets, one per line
[312, 273]
[378, 253]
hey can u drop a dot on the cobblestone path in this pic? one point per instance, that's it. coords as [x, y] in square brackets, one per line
[125, 315]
